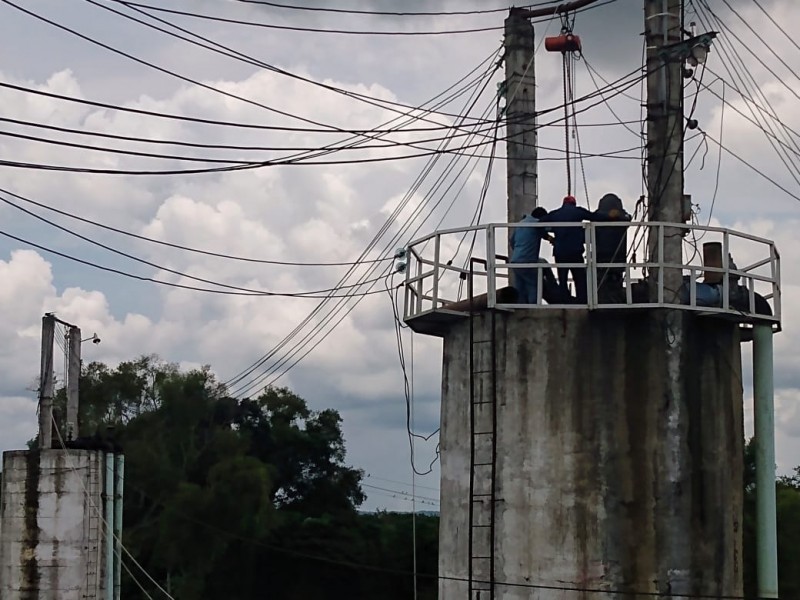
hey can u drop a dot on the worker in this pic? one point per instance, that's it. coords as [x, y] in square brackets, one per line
[568, 245]
[611, 246]
[525, 244]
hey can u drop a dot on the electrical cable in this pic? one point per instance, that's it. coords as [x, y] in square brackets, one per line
[352, 11]
[403, 483]
[237, 379]
[199, 120]
[706, 14]
[335, 311]
[341, 306]
[755, 169]
[719, 159]
[768, 47]
[167, 72]
[750, 120]
[774, 22]
[188, 248]
[178, 285]
[303, 29]
[167, 269]
[341, 31]
[268, 163]
[408, 393]
[227, 51]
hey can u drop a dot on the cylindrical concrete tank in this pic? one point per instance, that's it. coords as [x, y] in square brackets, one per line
[619, 453]
[51, 540]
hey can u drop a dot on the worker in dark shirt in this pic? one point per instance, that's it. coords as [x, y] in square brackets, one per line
[568, 244]
[611, 246]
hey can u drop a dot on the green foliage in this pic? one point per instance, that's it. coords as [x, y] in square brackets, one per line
[228, 498]
[788, 516]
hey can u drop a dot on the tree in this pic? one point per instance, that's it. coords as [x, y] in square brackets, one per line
[221, 492]
[788, 517]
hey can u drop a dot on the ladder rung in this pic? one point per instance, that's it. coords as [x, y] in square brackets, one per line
[483, 433]
[482, 341]
[481, 558]
[483, 372]
[483, 464]
[480, 496]
[484, 402]
[480, 526]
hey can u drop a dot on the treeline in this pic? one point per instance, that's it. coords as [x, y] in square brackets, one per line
[243, 499]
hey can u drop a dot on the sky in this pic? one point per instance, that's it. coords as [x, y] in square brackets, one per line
[328, 213]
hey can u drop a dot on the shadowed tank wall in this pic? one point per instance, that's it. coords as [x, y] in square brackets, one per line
[619, 453]
[51, 535]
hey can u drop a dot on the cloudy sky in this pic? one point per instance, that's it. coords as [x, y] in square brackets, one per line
[329, 213]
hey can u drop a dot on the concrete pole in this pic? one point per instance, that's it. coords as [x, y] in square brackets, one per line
[119, 483]
[46, 383]
[73, 381]
[108, 518]
[766, 520]
[663, 26]
[520, 90]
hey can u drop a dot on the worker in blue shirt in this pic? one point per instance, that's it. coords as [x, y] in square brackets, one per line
[568, 244]
[525, 245]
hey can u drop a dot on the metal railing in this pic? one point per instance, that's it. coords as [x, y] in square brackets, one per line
[438, 270]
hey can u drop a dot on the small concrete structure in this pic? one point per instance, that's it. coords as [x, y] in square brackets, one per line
[52, 540]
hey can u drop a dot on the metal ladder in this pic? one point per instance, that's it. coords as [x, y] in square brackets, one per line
[483, 452]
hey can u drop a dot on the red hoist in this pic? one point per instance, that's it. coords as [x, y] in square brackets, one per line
[569, 45]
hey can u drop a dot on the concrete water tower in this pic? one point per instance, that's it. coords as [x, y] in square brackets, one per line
[598, 446]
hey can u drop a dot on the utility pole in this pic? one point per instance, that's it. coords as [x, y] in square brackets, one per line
[46, 383]
[664, 67]
[520, 91]
[73, 381]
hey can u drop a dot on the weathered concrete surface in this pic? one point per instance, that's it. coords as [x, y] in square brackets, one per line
[618, 468]
[50, 534]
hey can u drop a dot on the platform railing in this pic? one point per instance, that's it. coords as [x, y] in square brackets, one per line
[435, 282]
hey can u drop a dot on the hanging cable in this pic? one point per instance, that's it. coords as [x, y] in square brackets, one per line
[565, 78]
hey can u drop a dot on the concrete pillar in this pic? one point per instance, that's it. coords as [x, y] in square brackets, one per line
[614, 471]
[50, 537]
[766, 517]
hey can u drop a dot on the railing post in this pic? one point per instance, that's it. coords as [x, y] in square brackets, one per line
[726, 276]
[776, 281]
[437, 242]
[407, 287]
[491, 292]
[592, 283]
[420, 285]
[660, 264]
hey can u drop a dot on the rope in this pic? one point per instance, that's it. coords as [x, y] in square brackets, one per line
[565, 71]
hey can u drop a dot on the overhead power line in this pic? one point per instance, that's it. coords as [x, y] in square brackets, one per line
[310, 159]
[296, 28]
[188, 248]
[353, 11]
[338, 31]
[229, 52]
[315, 294]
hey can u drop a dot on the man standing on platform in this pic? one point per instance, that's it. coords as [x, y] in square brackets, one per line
[568, 245]
[525, 245]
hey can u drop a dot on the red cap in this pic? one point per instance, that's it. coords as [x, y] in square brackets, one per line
[569, 200]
